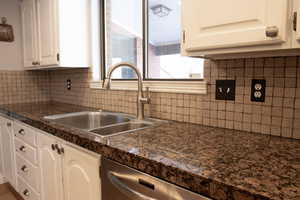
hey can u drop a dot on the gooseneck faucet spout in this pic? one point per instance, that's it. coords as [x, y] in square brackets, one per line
[141, 100]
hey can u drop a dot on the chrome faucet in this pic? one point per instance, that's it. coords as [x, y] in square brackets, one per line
[141, 100]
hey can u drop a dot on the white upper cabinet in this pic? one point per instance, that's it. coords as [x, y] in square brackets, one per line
[61, 31]
[29, 30]
[212, 27]
[47, 23]
[296, 23]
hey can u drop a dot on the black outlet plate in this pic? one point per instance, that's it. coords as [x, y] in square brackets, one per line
[69, 84]
[258, 94]
[225, 90]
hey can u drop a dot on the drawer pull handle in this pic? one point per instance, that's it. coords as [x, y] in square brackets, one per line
[26, 193]
[22, 148]
[8, 124]
[24, 168]
[60, 151]
[21, 132]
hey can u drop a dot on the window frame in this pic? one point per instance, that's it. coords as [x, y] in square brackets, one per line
[145, 67]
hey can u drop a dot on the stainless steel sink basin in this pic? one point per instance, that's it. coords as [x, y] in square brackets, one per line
[89, 120]
[122, 128]
[102, 124]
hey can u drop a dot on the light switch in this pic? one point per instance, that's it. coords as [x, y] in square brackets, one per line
[225, 90]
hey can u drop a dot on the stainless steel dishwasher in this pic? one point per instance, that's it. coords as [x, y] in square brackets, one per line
[120, 182]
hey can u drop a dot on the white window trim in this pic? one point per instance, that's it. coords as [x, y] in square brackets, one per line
[186, 87]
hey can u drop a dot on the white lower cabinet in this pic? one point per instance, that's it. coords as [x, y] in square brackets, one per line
[50, 169]
[7, 149]
[67, 173]
[80, 175]
[41, 167]
[26, 191]
[28, 172]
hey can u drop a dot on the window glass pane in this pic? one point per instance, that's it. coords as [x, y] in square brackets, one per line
[124, 36]
[164, 60]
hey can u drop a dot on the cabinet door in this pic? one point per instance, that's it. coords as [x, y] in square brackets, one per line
[9, 166]
[80, 175]
[29, 31]
[47, 29]
[296, 23]
[50, 168]
[215, 24]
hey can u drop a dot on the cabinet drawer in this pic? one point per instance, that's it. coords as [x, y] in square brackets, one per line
[25, 133]
[26, 191]
[28, 172]
[26, 151]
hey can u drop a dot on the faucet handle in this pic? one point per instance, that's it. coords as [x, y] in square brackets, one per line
[146, 100]
[106, 84]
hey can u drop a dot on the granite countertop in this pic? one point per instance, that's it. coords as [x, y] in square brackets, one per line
[219, 163]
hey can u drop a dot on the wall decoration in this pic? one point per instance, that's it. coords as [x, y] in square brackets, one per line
[6, 31]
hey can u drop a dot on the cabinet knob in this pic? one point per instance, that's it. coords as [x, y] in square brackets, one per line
[8, 124]
[36, 63]
[21, 132]
[272, 31]
[26, 193]
[22, 148]
[53, 147]
[24, 168]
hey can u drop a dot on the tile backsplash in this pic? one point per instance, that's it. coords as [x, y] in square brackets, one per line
[278, 115]
[24, 87]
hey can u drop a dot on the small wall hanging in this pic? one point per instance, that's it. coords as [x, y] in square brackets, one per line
[6, 31]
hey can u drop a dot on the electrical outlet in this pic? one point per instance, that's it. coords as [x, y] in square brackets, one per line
[258, 90]
[69, 84]
[225, 90]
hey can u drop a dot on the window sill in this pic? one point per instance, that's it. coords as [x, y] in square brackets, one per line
[187, 87]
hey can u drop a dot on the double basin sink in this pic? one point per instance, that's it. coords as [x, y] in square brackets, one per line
[102, 123]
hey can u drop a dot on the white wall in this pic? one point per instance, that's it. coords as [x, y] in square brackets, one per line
[11, 53]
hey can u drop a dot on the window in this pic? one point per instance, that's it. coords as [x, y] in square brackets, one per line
[147, 33]
[124, 35]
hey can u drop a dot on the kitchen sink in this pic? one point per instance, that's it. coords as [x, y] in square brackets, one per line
[101, 123]
[89, 120]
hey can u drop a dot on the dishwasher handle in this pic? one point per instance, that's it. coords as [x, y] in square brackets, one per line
[115, 180]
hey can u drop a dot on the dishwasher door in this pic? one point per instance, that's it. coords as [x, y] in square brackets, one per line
[120, 182]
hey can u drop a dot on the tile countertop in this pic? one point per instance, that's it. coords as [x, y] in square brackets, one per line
[219, 163]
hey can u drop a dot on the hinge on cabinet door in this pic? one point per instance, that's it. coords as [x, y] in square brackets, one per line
[295, 21]
[183, 36]
[58, 57]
